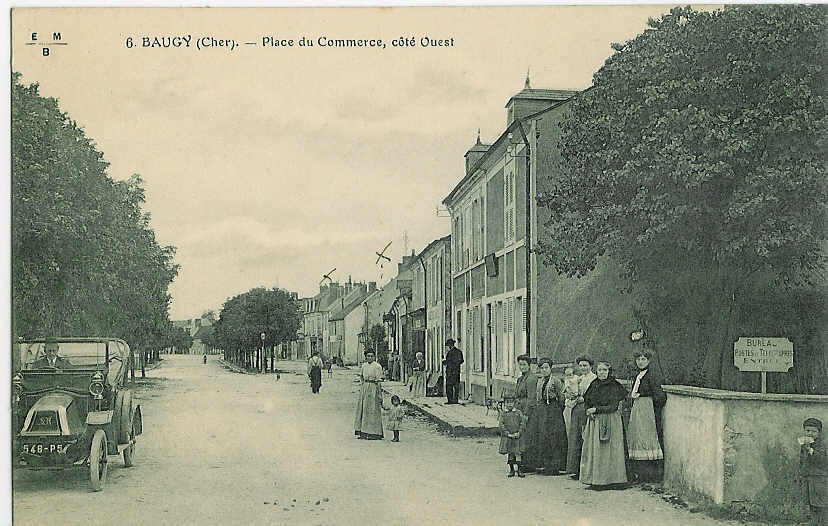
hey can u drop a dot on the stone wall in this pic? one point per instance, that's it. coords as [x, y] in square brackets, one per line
[737, 448]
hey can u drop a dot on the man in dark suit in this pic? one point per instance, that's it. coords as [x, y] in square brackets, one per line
[452, 362]
[51, 360]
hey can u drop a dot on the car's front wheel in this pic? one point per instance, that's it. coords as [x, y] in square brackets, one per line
[97, 460]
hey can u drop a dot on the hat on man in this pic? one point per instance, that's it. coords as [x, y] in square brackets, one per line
[450, 342]
[812, 422]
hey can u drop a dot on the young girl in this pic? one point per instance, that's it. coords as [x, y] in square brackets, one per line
[570, 393]
[512, 425]
[395, 415]
[813, 467]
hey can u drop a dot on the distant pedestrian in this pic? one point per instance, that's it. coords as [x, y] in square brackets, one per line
[644, 430]
[394, 365]
[512, 424]
[395, 416]
[602, 459]
[526, 389]
[315, 372]
[575, 439]
[329, 367]
[551, 438]
[452, 362]
[813, 468]
[570, 392]
[368, 417]
[417, 382]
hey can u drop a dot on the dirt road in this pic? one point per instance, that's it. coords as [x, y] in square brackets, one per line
[225, 448]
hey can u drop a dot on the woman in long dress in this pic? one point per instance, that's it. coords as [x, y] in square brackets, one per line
[315, 372]
[644, 430]
[551, 438]
[602, 458]
[368, 418]
[417, 382]
[577, 419]
[526, 396]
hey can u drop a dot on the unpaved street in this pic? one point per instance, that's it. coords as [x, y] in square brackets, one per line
[226, 448]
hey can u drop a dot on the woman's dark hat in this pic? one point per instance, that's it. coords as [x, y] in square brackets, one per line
[812, 422]
[450, 341]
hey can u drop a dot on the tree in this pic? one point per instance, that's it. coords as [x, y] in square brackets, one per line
[243, 318]
[376, 338]
[697, 161]
[85, 260]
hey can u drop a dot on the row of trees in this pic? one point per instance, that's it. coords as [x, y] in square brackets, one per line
[244, 318]
[84, 258]
[698, 162]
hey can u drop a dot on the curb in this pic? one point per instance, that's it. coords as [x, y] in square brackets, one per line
[448, 427]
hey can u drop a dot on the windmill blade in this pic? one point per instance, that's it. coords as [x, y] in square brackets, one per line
[386, 247]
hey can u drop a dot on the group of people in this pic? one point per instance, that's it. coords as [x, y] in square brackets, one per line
[368, 417]
[574, 426]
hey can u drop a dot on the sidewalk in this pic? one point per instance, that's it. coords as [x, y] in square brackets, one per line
[463, 419]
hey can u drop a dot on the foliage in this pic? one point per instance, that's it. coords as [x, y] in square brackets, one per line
[179, 338]
[84, 258]
[697, 161]
[244, 317]
[376, 338]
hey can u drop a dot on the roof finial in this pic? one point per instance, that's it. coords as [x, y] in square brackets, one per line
[478, 135]
[526, 84]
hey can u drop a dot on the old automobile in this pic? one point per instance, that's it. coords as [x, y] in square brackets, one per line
[71, 407]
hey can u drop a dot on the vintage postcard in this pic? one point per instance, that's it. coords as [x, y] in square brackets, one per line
[398, 265]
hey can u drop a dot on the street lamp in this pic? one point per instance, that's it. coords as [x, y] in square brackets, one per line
[262, 356]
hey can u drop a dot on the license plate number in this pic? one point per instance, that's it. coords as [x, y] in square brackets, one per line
[40, 449]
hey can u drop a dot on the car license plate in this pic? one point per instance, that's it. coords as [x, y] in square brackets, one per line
[41, 449]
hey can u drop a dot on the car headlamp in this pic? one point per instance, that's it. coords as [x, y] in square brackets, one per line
[96, 388]
[17, 384]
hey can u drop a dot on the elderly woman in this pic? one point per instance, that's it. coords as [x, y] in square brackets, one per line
[368, 418]
[526, 400]
[417, 382]
[644, 430]
[602, 458]
[551, 437]
[578, 416]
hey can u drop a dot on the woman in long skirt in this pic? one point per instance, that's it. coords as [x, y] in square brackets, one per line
[368, 418]
[602, 458]
[551, 438]
[644, 430]
[526, 396]
[577, 420]
[315, 372]
[417, 382]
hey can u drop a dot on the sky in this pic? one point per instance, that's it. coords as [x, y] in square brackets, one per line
[269, 166]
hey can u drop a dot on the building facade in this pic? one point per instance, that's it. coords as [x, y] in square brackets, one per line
[494, 227]
[430, 301]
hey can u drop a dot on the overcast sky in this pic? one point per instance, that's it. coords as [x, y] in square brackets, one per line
[269, 165]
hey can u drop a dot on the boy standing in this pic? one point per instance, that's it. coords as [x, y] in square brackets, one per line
[813, 467]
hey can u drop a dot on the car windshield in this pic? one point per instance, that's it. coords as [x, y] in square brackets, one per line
[69, 355]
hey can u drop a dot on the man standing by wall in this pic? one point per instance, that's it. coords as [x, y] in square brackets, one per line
[452, 362]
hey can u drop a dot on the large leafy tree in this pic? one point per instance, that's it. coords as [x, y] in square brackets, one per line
[85, 260]
[697, 160]
[243, 318]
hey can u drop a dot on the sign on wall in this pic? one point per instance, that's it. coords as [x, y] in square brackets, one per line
[763, 354]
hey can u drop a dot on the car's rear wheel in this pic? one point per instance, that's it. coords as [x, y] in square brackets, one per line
[97, 461]
[129, 452]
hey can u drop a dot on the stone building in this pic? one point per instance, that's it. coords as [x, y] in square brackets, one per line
[494, 226]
